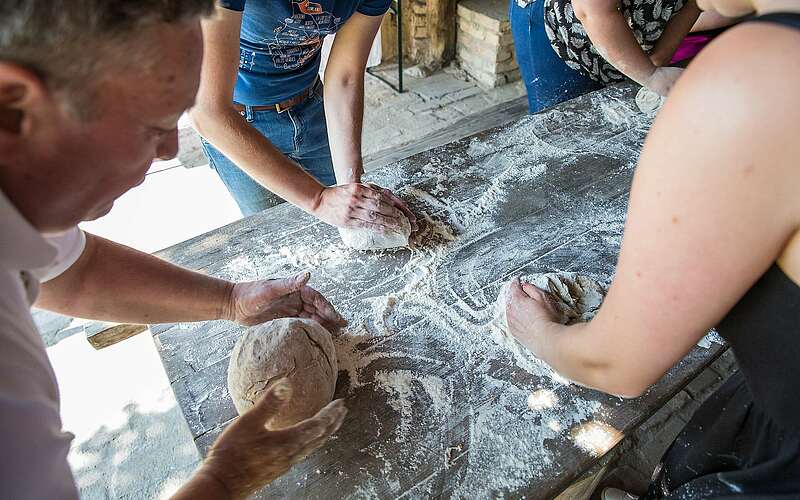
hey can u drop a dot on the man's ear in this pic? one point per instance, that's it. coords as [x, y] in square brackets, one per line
[22, 93]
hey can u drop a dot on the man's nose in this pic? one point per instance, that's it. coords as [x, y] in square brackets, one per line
[168, 146]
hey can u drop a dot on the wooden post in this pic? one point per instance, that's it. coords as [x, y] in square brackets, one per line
[429, 33]
[102, 335]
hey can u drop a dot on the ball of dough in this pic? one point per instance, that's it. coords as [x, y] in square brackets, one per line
[576, 298]
[649, 102]
[366, 239]
[299, 350]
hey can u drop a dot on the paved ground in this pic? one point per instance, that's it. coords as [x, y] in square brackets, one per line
[130, 438]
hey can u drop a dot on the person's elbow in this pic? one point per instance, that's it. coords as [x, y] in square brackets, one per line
[588, 10]
[345, 78]
[619, 380]
[205, 114]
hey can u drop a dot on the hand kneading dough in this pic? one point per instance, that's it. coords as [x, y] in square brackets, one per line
[365, 239]
[301, 350]
[649, 102]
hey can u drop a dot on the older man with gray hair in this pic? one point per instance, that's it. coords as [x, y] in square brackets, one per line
[90, 93]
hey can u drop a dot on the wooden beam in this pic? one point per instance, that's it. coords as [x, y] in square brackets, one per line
[102, 335]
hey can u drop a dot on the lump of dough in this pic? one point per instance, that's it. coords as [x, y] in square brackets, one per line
[301, 350]
[649, 102]
[365, 239]
[577, 298]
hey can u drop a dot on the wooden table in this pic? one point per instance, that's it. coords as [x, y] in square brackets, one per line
[437, 407]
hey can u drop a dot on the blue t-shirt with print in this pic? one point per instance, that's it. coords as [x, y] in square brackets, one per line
[281, 40]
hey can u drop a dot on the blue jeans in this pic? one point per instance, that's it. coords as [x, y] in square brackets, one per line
[547, 78]
[300, 133]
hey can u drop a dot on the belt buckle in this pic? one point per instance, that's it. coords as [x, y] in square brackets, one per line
[279, 109]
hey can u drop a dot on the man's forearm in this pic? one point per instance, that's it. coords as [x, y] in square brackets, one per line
[245, 146]
[344, 113]
[678, 27]
[112, 282]
[614, 40]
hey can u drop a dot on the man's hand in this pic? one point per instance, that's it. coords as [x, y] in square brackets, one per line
[528, 311]
[255, 302]
[661, 80]
[249, 455]
[362, 206]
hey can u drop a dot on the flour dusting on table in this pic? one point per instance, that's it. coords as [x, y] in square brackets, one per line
[509, 405]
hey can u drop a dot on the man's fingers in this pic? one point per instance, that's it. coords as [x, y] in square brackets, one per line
[286, 286]
[316, 443]
[317, 426]
[270, 403]
[320, 305]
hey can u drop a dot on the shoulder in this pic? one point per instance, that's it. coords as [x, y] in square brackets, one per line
[744, 85]
[736, 108]
[756, 60]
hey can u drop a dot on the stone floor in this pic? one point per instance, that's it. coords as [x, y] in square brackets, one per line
[131, 440]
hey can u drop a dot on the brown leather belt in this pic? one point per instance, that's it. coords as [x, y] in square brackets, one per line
[281, 106]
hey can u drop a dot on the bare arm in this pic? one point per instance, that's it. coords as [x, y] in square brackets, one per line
[344, 93]
[215, 118]
[677, 28]
[612, 37]
[220, 124]
[713, 205]
[113, 282]
[614, 40]
[344, 102]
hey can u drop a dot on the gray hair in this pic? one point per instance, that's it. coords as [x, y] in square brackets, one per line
[66, 42]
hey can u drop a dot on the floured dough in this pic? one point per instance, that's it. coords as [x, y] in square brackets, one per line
[365, 239]
[649, 102]
[301, 350]
[577, 299]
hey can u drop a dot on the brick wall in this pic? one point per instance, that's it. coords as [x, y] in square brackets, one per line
[484, 45]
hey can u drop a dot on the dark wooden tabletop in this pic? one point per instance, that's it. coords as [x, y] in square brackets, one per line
[437, 407]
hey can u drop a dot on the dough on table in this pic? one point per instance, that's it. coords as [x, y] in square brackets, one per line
[299, 350]
[649, 102]
[577, 298]
[366, 239]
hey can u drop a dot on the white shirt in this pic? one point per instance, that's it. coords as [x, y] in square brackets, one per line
[33, 447]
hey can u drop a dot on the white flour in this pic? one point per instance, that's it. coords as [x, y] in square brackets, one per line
[463, 399]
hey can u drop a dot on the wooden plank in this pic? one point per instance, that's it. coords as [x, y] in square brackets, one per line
[102, 335]
[437, 407]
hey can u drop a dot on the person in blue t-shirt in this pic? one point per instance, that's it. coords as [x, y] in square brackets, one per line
[268, 125]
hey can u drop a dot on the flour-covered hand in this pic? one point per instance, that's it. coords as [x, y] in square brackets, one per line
[358, 206]
[255, 302]
[662, 80]
[250, 455]
[528, 312]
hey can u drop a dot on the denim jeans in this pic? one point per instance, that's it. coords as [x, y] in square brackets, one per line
[547, 77]
[299, 132]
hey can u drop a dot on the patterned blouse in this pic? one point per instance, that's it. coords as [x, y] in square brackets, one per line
[647, 19]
